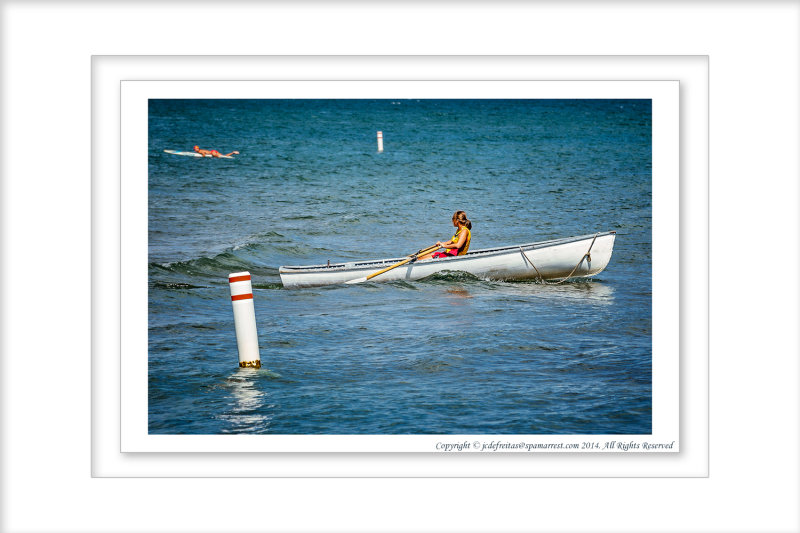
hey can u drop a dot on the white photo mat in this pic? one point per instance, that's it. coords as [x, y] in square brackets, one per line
[661, 80]
[664, 96]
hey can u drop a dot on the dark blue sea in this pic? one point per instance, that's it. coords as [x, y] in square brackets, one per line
[451, 354]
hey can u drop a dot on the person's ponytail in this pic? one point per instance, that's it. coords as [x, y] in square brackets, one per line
[461, 218]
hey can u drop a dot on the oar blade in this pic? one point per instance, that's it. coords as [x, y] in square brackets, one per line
[357, 280]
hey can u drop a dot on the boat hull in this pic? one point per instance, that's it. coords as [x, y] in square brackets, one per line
[548, 260]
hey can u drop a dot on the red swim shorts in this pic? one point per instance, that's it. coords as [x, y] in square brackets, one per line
[449, 253]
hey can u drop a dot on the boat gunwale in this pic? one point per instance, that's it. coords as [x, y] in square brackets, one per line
[365, 265]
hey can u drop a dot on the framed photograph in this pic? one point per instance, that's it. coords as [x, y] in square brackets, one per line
[320, 234]
[131, 439]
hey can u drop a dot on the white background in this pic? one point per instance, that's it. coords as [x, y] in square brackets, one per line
[46, 200]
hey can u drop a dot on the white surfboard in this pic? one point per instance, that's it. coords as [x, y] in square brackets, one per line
[194, 154]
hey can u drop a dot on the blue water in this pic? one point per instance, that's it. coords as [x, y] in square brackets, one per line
[451, 354]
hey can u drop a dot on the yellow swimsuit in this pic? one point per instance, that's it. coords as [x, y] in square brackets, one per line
[454, 240]
[463, 250]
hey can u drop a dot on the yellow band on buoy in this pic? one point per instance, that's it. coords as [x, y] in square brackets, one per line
[249, 364]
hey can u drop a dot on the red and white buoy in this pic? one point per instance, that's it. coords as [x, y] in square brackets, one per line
[244, 318]
[380, 141]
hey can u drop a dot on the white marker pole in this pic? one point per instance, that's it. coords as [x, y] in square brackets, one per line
[380, 141]
[244, 318]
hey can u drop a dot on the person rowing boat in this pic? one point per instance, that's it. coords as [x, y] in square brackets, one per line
[458, 244]
[550, 260]
[211, 153]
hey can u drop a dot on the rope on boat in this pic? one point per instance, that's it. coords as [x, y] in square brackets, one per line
[542, 280]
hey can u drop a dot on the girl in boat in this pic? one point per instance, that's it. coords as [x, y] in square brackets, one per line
[459, 244]
[212, 153]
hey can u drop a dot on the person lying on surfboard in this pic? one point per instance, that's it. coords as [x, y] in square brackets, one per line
[459, 244]
[212, 153]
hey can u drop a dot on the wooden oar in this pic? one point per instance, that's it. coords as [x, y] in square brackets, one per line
[401, 263]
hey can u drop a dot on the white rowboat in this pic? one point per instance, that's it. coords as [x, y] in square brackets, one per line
[581, 256]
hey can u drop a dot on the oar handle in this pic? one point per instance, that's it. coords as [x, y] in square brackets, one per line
[426, 250]
[401, 263]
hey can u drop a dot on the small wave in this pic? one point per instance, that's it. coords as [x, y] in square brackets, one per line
[403, 284]
[430, 366]
[268, 286]
[449, 276]
[579, 281]
[218, 266]
[245, 375]
[176, 286]
[258, 240]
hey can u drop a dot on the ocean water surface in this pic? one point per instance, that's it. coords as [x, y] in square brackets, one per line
[451, 354]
